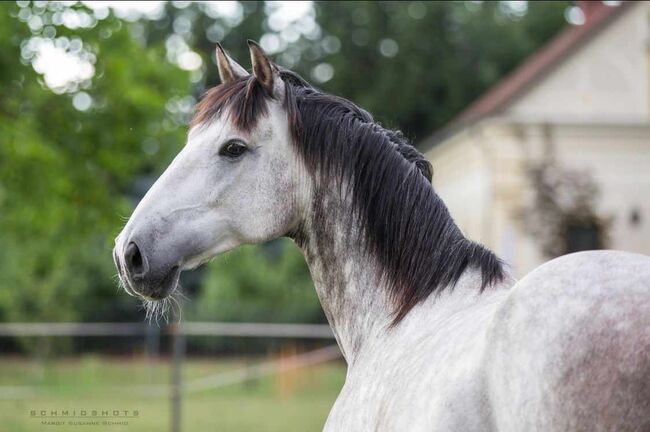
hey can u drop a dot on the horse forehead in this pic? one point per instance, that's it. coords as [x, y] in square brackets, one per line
[213, 132]
[269, 126]
[265, 130]
[203, 131]
[272, 125]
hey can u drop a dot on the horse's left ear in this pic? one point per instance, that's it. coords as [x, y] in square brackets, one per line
[265, 71]
[229, 70]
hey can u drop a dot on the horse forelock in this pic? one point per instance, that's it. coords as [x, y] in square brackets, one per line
[406, 225]
[244, 100]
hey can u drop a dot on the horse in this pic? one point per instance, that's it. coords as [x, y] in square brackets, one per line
[436, 333]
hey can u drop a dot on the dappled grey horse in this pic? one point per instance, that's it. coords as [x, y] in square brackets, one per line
[436, 334]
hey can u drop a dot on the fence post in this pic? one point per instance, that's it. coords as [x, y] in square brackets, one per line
[152, 348]
[178, 353]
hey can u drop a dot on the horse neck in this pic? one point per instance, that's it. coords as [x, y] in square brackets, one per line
[345, 276]
[354, 299]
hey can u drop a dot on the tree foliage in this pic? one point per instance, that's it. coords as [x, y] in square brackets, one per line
[75, 158]
[65, 173]
[417, 64]
[267, 284]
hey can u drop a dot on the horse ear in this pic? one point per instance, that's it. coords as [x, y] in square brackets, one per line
[229, 70]
[265, 71]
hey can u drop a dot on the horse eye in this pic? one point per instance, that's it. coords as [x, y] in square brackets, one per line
[233, 149]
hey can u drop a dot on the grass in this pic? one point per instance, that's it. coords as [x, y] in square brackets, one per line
[297, 400]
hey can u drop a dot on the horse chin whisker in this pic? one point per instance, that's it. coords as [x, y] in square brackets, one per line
[121, 285]
[165, 309]
[118, 282]
[176, 307]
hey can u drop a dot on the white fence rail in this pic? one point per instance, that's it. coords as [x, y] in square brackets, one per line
[305, 331]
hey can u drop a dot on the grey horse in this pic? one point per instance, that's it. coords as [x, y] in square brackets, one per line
[436, 334]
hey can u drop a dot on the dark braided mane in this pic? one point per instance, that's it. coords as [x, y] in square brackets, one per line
[406, 225]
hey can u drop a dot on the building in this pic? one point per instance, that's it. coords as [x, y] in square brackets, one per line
[582, 100]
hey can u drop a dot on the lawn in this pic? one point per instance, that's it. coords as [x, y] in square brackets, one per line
[297, 400]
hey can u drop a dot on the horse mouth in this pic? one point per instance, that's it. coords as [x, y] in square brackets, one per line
[160, 288]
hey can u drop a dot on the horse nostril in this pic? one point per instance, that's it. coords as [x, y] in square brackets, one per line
[134, 261]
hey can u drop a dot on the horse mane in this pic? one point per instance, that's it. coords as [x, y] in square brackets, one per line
[405, 224]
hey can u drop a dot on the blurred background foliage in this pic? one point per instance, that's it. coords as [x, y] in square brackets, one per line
[94, 103]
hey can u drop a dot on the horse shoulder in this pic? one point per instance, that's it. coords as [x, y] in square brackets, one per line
[426, 376]
[569, 348]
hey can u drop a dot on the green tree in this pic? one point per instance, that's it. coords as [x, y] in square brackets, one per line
[74, 160]
[268, 283]
[65, 171]
[417, 64]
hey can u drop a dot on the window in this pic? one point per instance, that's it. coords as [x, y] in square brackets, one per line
[583, 235]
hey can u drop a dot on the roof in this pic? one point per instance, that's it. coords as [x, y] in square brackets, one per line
[597, 16]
